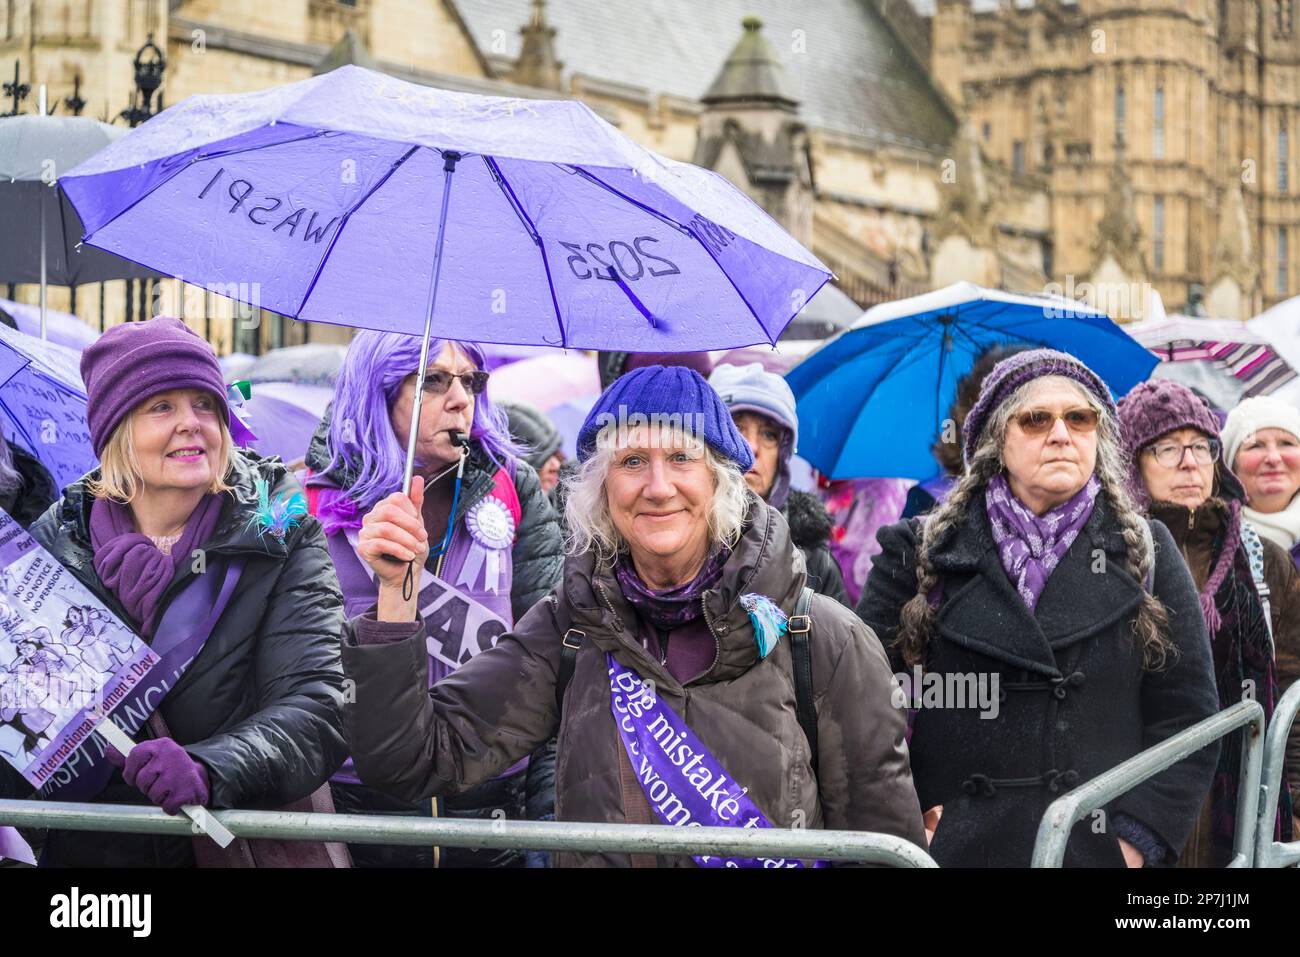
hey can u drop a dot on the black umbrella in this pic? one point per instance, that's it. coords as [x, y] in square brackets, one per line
[34, 152]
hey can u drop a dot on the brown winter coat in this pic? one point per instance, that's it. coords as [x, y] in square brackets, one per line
[413, 742]
[1194, 533]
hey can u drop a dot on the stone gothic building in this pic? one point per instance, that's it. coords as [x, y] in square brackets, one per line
[1091, 146]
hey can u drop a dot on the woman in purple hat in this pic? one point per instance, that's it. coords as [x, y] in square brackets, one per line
[1249, 587]
[496, 547]
[237, 597]
[1031, 611]
[673, 660]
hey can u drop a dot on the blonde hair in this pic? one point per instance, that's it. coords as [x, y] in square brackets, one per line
[120, 478]
[586, 509]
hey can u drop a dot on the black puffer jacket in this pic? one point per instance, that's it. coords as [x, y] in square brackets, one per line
[261, 705]
[36, 493]
[810, 529]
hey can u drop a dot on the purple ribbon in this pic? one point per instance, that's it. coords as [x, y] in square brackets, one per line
[685, 784]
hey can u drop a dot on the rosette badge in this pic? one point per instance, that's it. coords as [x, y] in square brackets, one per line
[492, 530]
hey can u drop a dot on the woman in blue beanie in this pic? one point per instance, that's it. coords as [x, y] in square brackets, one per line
[666, 659]
[243, 610]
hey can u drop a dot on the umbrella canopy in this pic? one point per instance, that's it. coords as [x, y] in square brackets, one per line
[34, 152]
[545, 382]
[284, 415]
[43, 404]
[873, 400]
[62, 328]
[1236, 347]
[311, 364]
[329, 199]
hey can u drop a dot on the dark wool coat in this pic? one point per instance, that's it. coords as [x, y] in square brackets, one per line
[1074, 699]
[260, 705]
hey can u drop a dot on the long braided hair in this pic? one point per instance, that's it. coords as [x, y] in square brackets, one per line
[1151, 627]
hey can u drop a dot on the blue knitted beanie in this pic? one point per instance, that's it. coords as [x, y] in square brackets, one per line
[667, 391]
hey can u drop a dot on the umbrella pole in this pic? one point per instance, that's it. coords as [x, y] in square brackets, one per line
[450, 159]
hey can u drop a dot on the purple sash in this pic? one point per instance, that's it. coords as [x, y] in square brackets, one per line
[685, 784]
[179, 637]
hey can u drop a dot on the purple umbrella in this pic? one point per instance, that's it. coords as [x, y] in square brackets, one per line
[357, 199]
[283, 415]
[60, 327]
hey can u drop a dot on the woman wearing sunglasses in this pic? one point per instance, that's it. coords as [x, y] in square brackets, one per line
[494, 545]
[1249, 588]
[1031, 610]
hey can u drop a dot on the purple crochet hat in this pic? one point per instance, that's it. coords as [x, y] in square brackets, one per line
[1156, 408]
[1013, 372]
[136, 360]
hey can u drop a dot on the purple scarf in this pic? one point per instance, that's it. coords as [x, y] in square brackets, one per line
[1030, 545]
[672, 607]
[132, 567]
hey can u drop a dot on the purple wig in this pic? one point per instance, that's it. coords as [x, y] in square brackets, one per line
[361, 436]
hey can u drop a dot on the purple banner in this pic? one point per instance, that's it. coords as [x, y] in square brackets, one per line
[65, 659]
[686, 785]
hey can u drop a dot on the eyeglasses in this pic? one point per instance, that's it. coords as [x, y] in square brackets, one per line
[1037, 422]
[438, 382]
[1170, 455]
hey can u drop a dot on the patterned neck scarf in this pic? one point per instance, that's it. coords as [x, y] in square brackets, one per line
[672, 607]
[1029, 545]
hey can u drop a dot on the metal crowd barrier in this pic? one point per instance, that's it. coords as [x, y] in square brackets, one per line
[1066, 811]
[1268, 852]
[852, 846]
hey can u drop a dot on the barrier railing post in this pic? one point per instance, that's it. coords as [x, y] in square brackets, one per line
[1066, 811]
[1268, 852]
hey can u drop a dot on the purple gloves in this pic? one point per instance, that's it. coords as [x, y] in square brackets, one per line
[164, 772]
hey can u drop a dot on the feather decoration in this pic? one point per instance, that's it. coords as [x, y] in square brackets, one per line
[279, 516]
[769, 621]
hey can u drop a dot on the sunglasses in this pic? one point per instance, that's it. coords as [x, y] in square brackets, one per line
[1037, 422]
[438, 382]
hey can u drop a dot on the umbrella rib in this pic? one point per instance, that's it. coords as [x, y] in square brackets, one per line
[180, 169]
[504, 185]
[690, 230]
[320, 267]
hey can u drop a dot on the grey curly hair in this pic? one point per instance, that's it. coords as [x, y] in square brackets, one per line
[1151, 627]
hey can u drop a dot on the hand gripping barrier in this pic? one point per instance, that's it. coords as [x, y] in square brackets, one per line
[854, 846]
[1065, 812]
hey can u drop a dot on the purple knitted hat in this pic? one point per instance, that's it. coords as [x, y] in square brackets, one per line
[1155, 408]
[1013, 372]
[134, 361]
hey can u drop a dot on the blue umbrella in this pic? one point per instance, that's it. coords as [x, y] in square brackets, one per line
[873, 400]
[358, 199]
[43, 404]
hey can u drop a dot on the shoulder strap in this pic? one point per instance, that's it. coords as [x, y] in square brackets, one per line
[1149, 541]
[800, 628]
[570, 644]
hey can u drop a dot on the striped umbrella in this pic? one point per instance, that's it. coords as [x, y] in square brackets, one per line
[1231, 346]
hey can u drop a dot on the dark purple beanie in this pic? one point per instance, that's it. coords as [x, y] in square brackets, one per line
[672, 391]
[1158, 407]
[1013, 372]
[133, 361]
